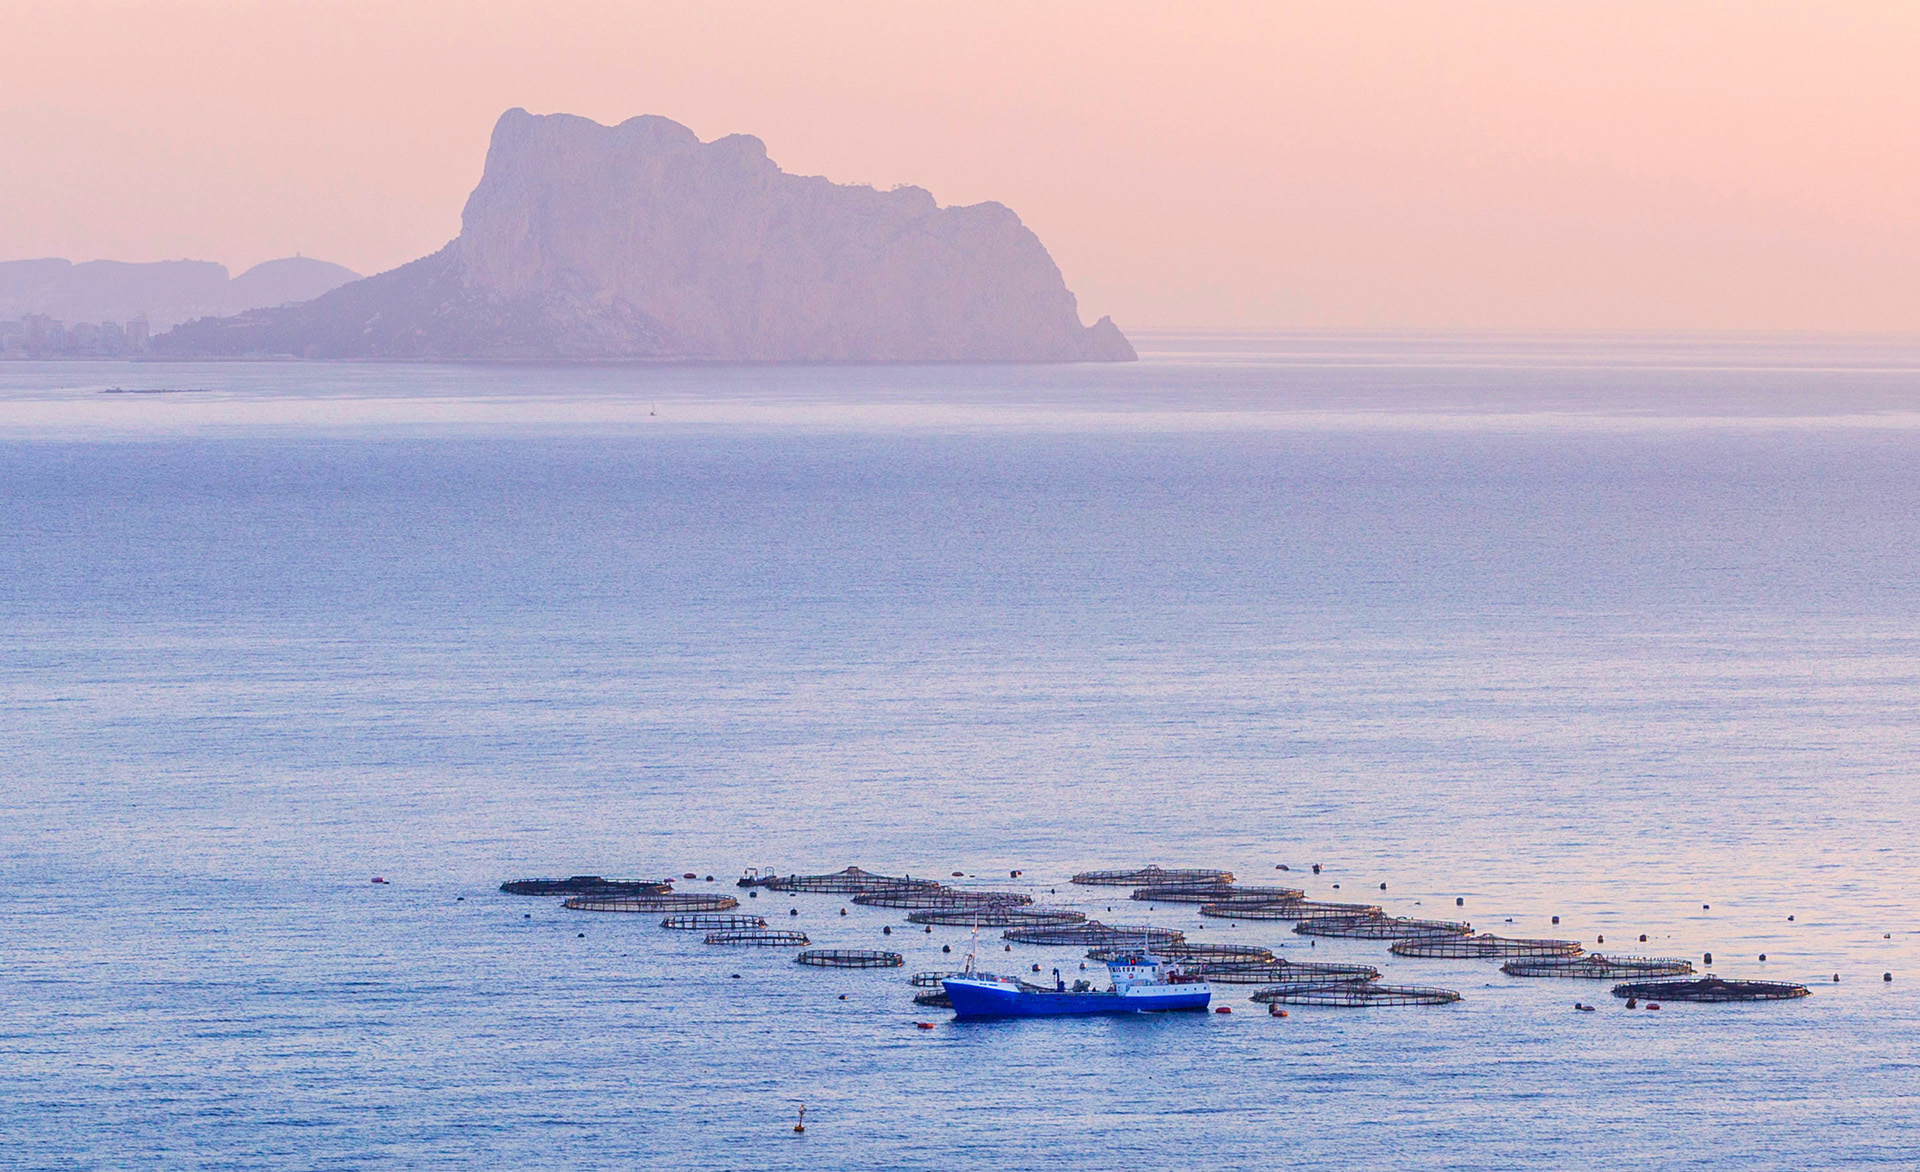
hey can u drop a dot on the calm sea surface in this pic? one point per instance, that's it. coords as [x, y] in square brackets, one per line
[1622, 630]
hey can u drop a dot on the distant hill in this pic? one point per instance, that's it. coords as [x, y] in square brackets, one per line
[591, 242]
[166, 292]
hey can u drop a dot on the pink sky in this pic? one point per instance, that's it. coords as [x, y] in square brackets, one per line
[1532, 164]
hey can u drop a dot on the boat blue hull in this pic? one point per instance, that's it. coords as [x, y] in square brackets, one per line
[972, 1000]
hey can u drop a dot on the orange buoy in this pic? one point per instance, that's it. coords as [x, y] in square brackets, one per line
[1223, 1009]
[1653, 1005]
[925, 1025]
[1275, 1011]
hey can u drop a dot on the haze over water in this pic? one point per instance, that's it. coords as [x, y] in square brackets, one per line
[1609, 628]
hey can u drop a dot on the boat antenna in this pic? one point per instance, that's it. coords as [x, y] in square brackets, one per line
[973, 946]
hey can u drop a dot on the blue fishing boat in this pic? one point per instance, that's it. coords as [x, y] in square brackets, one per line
[1141, 984]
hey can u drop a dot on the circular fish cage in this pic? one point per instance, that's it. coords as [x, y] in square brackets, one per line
[751, 939]
[1712, 989]
[1293, 976]
[940, 897]
[1280, 972]
[1094, 933]
[1356, 996]
[1216, 893]
[587, 885]
[935, 998]
[1597, 967]
[1378, 927]
[931, 980]
[1477, 947]
[1287, 909]
[1183, 951]
[670, 902]
[850, 958]
[707, 923]
[996, 916]
[1153, 877]
[851, 881]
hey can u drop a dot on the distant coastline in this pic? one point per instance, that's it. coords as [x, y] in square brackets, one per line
[640, 243]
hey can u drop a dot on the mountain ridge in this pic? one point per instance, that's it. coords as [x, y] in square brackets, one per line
[165, 292]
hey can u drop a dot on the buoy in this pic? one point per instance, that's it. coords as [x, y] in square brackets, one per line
[1836, 978]
[1706, 907]
[1763, 956]
[1009, 948]
[959, 874]
[689, 875]
[800, 1127]
[378, 879]
[1459, 901]
[1633, 1003]
[1653, 1005]
[843, 996]
[526, 915]
[793, 911]
[1083, 966]
[1316, 868]
[1643, 937]
[753, 895]
[1223, 1009]
[1013, 874]
[887, 930]
[459, 899]
[1789, 919]
[1383, 887]
[929, 929]
[1275, 1011]
[1556, 919]
[1282, 867]
[843, 911]
[1336, 887]
[1886, 976]
[925, 1025]
[1036, 968]
[581, 935]
[1583, 1008]
[1600, 940]
[1707, 958]
[735, 976]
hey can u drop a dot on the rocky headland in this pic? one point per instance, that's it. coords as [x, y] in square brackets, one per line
[586, 242]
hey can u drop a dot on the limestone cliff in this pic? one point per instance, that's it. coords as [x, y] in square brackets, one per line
[591, 242]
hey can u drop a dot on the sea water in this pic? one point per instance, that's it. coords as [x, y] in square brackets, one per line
[1620, 630]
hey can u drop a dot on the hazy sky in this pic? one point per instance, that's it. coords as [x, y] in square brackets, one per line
[1529, 164]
